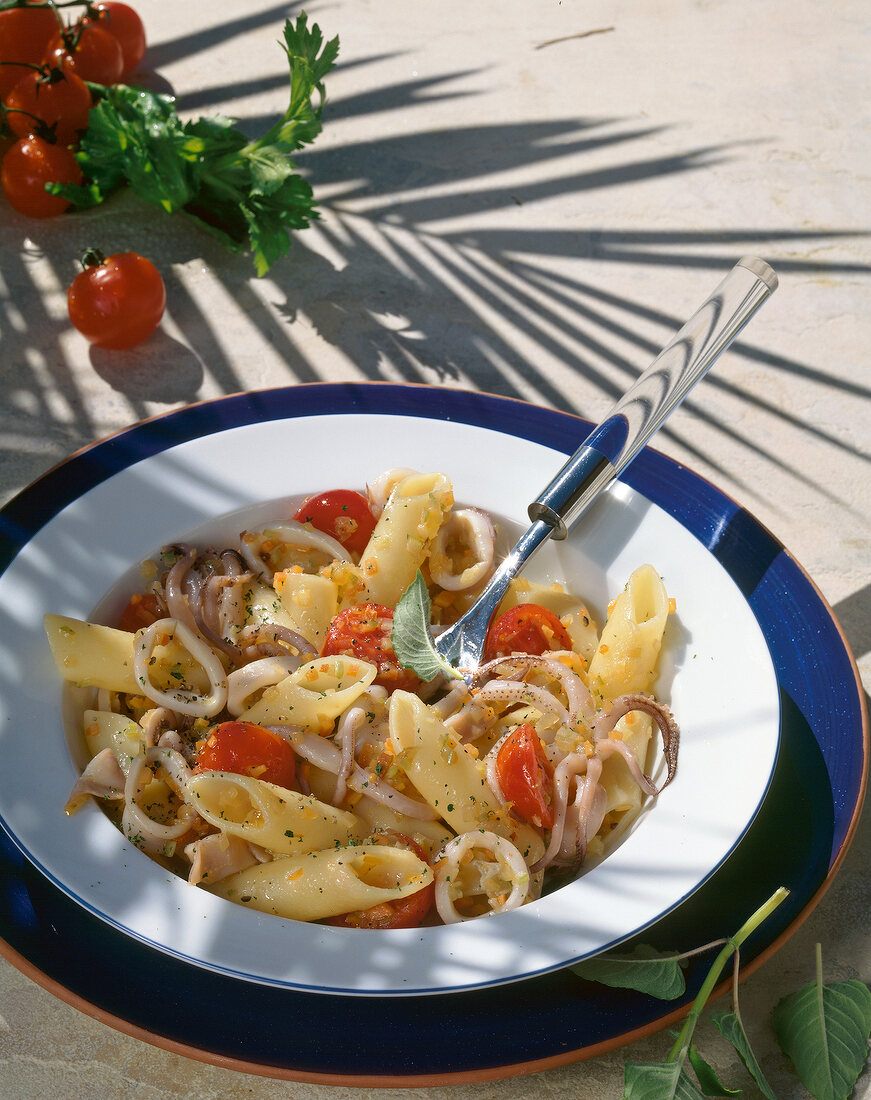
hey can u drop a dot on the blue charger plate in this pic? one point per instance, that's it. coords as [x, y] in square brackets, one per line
[798, 838]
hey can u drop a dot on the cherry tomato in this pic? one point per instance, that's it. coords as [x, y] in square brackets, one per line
[526, 628]
[24, 34]
[116, 302]
[248, 749]
[341, 513]
[28, 166]
[122, 21]
[364, 632]
[407, 912]
[57, 97]
[526, 776]
[90, 50]
[141, 611]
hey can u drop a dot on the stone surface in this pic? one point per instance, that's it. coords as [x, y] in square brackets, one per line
[527, 200]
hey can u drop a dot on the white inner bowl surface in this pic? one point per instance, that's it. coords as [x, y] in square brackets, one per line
[715, 673]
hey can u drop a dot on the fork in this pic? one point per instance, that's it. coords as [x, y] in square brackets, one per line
[616, 441]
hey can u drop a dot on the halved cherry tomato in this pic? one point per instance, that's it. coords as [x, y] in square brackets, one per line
[116, 302]
[24, 34]
[141, 611]
[526, 776]
[364, 631]
[526, 628]
[248, 749]
[407, 912]
[91, 51]
[123, 22]
[28, 166]
[58, 97]
[341, 513]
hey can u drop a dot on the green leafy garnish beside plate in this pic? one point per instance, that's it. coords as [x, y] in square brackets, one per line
[824, 1029]
[247, 193]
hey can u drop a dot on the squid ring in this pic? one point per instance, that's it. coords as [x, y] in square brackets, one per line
[183, 701]
[510, 861]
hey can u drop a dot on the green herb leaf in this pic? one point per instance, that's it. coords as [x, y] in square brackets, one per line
[247, 193]
[658, 1081]
[411, 638]
[824, 1030]
[732, 1029]
[644, 970]
[710, 1083]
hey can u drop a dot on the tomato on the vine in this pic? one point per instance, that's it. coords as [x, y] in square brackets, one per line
[124, 23]
[526, 628]
[408, 912]
[248, 749]
[89, 50]
[28, 166]
[116, 302]
[57, 97]
[364, 632]
[525, 776]
[342, 513]
[24, 34]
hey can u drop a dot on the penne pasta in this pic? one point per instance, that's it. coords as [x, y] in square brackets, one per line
[90, 654]
[277, 819]
[315, 694]
[93, 655]
[625, 659]
[306, 603]
[116, 732]
[328, 883]
[412, 516]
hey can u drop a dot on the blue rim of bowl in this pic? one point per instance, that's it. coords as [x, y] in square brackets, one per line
[506, 1029]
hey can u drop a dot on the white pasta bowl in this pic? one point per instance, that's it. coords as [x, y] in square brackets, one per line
[715, 673]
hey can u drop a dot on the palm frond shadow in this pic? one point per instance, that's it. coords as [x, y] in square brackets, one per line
[189, 45]
[417, 299]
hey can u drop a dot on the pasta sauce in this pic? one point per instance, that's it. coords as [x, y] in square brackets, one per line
[250, 726]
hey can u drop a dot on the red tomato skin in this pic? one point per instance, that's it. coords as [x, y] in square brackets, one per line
[526, 776]
[243, 748]
[62, 104]
[28, 166]
[519, 630]
[341, 513]
[118, 303]
[141, 611]
[364, 632]
[90, 50]
[24, 34]
[408, 912]
[124, 23]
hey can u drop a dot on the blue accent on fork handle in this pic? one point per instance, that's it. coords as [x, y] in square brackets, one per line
[610, 437]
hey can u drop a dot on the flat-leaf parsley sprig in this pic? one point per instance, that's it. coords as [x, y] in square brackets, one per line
[247, 193]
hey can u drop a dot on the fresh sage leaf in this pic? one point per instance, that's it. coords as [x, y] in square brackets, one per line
[731, 1028]
[645, 970]
[411, 638]
[824, 1030]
